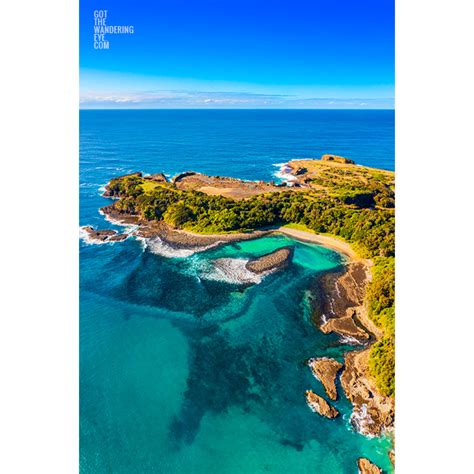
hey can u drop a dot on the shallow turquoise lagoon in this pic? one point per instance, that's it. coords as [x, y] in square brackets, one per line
[185, 369]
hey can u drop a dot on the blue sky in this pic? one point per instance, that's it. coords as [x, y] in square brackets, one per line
[240, 54]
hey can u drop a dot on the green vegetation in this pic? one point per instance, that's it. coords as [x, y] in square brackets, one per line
[358, 185]
[381, 305]
[351, 216]
[382, 365]
[357, 206]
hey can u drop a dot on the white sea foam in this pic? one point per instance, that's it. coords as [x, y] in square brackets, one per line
[312, 406]
[362, 421]
[88, 185]
[86, 238]
[159, 247]
[350, 340]
[310, 365]
[231, 270]
[128, 228]
[284, 173]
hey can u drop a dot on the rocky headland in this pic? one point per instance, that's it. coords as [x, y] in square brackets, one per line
[319, 405]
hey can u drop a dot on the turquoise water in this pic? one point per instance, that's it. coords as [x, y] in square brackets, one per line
[188, 366]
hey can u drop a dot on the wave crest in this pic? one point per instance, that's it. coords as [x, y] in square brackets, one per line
[361, 420]
[284, 173]
[159, 247]
[231, 270]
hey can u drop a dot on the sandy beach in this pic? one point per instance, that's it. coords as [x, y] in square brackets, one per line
[325, 240]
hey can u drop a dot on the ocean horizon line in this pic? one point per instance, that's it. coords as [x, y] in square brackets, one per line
[235, 108]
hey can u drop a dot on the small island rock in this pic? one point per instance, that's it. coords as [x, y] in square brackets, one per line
[157, 177]
[319, 405]
[271, 261]
[106, 235]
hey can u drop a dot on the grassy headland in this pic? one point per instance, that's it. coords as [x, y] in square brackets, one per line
[350, 202]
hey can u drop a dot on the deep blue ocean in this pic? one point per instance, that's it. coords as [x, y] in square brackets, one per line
[185, 366]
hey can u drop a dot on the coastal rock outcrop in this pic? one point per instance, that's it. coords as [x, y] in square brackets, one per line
[271, 261]
[319, 405]
[117, 237]
[373, 413]
[346, 326]
[183, 175]
[342, 308]
[110, 192]
[367, 467]
[300, 171]
[157, 177]
[338, 159]
[342, 311]
[344, 289]
[103, 235]
[325, 370]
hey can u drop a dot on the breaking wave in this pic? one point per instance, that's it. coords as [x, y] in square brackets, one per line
[231, 270]
[350, 340]
[86, 238]
[284, 173]
[159, 247]
[128, 228]
[361, 420]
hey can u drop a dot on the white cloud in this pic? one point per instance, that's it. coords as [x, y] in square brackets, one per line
[229, 99]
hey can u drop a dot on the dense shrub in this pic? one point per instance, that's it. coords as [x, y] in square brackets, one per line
[382, 365]
[381, 305]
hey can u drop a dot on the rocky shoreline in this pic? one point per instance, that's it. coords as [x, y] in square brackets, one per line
[175, 238]
[373, 413]
[342, 310]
